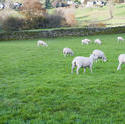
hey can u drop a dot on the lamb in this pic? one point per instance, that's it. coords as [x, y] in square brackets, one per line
[85, 41]
[83, 62]
[98, 41]
[42, 43]
[67, 51]
[121, 60]
[99, 54]
[120, 38]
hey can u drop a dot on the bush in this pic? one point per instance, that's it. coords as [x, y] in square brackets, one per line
[67, 14]
[49, 21]
[54, 21]
[33, 23]
[12, 24]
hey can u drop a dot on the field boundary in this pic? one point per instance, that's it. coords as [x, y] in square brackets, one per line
[61, 32]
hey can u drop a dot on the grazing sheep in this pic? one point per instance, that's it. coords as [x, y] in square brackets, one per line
[85, 41]
[99, 54]
[121, 60]
[83, 62]
[42, 43]
[67, 51]
[120, 38]
[98, 41]
[2, 6]
[88, 40]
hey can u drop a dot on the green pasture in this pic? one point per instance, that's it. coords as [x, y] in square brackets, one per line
[37, 87]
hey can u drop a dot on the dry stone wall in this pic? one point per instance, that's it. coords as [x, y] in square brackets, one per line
[21, 35]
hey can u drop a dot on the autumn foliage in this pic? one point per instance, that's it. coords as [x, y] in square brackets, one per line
[33, 8]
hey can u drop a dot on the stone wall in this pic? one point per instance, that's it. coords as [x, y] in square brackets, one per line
[21, 35]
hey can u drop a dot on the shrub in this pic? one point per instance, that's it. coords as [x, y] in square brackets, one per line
[54, 21]
[12, 24]
[49, 21]
[67, 14]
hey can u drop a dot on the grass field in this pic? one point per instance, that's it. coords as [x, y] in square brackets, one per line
[37, 87]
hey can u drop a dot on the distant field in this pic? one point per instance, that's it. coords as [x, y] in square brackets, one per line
[36, 86]
[85, 16]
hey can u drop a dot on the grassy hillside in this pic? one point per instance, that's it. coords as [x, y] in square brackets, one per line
[86, 16]
[99, 14]
[37, 87]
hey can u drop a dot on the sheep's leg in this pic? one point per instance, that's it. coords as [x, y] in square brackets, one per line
[72, 69]
[84, 69]
[71, 54]
[119, 67]
[90, 68]
[77, 70]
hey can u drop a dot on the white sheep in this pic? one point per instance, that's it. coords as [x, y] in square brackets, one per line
[98, 41]
[85, 41]
[88, 40]
[67, 51]
[120, 39]
[42, 43]
[99, 54]
[83, 62]
[121, 60]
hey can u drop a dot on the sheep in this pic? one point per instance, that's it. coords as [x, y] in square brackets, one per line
[2, 6]
[42, 43]
[89, 4]
[88, 40]
[121, 60]
[120, 39]
[99, 54]
[85, 41]
[98, 41]
[83, 62]
[67, 51]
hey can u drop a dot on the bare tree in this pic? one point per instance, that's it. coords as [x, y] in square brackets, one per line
[111, 8]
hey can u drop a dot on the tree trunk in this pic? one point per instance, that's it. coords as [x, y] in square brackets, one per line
[111, 9]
